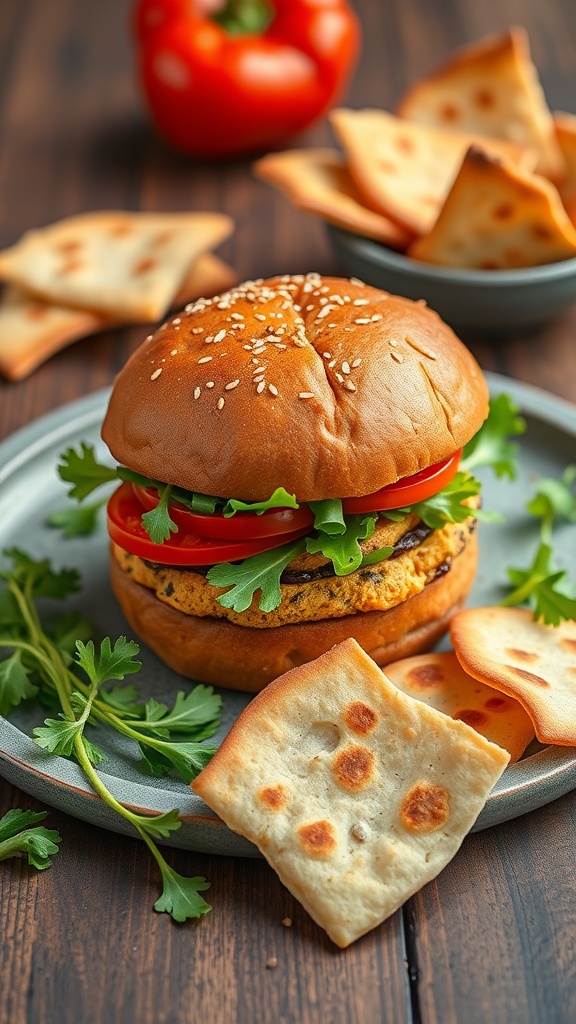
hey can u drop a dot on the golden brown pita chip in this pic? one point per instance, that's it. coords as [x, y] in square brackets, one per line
[318, 180]
[127, 266]
[31, 330]
[565, 125]
[405, 170]
[490, 88]
[356, 794]
[497, 217]
[440, 681]
[535, 664]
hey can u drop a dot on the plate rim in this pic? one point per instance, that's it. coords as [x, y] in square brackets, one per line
[24, 763]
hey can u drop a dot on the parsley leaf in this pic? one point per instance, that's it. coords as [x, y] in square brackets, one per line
[37, 576]
[490, 446]
[344, 550]
[17, 837]
[15, 683]
[192, 711]
[554, 500]
[111, 663]
[259, 572]
[542, 587]
[76, 522]
[157, 522]
[83, 471]
[180, 895]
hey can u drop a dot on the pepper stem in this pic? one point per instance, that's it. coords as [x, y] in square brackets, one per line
[244, 17]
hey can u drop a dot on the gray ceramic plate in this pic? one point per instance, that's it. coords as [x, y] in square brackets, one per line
[30, 490]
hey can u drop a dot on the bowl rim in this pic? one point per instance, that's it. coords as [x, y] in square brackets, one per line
[386, 257]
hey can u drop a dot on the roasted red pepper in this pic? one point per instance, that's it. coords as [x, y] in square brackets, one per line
[224, 78]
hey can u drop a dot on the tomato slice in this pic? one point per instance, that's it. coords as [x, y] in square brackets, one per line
[242, 526]
[406, 491]
[125, 528]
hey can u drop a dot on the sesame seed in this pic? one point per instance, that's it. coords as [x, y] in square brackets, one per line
[237, 316]
[261, 387]
[306, 394]
[332, 364]
[232, 384]
[174, 352]
[349, 385]
[356, 363]
[259, 316]
[309, 307]
[149, 338]
[377, 316]
[220, 336]
[345, 367]
[339, 378]
[196, 392]
[220, 403]
[327, 355]
[197, 330]
[393, 342]
[300, 342]
[361, 302]
[205, 359]
[257, 351]
[156, 373]
[258, 378]
[362, 320]
[177, 321]
[332, 325]
[273, 389]
[397, 357]
[209, 383]
[356, 280]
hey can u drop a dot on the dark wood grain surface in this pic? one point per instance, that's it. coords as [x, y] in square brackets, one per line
[494, 937]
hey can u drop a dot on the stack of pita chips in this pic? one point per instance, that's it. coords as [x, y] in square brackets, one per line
[358, 785]
[99, 270]
[355, 793]
[473, 171]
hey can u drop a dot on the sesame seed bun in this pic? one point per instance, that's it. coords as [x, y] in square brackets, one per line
[324, 386]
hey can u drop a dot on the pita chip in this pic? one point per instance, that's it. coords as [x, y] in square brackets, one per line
[565, 125]
[497, 217]
[318, 181]
[405, 170]
[491, 89]
[126, 266]
[31, 330]
[536, 664]
[440, 681]
[355, 793]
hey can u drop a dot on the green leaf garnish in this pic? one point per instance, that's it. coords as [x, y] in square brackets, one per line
[543, 588]
[490, 446]
[157, 522]
[446, 506]
[279, 499]
[328, 516]
[344, 549]
[83, 471]
[180, 896]
[15, 683]
[76, 522]
[41, 657]
[259, 572]
[16, 837]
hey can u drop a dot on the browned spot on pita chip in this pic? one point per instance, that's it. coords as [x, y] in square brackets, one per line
[274, 797]
[354, 767]
[317, 839]
[360, 717]
[425, 808]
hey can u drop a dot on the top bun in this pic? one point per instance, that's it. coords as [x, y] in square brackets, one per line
[324, 386]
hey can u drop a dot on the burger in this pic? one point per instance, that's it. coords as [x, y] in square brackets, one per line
[289, 456]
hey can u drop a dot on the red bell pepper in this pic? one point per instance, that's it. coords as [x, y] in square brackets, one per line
[224, 77]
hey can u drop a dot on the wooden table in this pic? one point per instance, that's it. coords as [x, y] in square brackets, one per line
[493, 938]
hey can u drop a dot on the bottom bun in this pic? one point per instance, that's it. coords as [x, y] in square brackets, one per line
[219, 652]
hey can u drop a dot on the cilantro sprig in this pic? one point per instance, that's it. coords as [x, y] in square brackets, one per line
[20, 835]
[71, 675]
[546, 589]
[492, 446]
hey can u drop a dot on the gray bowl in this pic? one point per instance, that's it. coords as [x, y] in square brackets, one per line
[471, 301]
